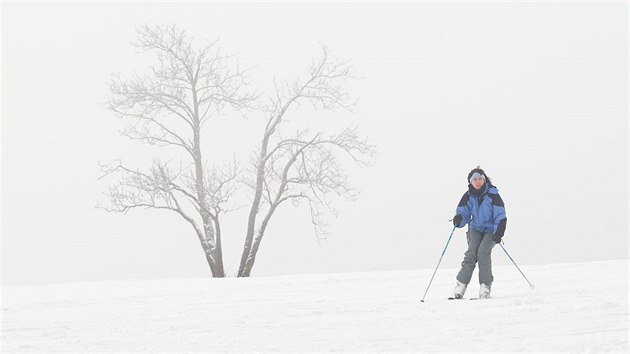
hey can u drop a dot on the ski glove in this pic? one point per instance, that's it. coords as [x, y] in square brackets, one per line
[457, 220]
[496, 238]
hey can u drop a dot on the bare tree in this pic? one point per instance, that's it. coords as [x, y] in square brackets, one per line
[168, 108]
[303, 166]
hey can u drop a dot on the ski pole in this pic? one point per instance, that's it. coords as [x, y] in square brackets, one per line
[438, 265]
[519, 269]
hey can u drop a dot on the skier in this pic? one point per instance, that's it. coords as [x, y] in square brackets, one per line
[483, 210]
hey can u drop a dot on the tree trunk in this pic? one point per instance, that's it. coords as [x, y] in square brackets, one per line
[218, 256]
[248, 264]
[251, 221]
[251, 258]
[211, 249]
[207, 251]
[249, 239]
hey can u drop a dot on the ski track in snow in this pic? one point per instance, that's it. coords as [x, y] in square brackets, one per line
[580, 307]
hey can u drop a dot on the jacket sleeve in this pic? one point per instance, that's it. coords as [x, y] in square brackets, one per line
[464, 210]
[500, 217]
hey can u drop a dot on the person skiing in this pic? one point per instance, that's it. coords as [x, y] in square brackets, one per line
[483, 210]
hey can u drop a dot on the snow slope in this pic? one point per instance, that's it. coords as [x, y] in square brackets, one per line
[574, 308]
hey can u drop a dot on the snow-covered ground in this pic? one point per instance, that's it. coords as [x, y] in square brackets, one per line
[580, 307]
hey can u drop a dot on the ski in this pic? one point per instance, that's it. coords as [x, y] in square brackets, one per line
[455, 298]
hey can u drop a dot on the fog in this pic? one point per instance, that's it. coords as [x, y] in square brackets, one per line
[535, 93]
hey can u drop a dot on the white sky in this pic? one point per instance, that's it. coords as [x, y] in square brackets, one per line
[536, 93]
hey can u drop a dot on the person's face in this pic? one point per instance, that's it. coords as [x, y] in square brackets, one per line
[478, 182]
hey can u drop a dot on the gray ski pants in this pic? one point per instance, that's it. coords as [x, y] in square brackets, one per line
[479, 249]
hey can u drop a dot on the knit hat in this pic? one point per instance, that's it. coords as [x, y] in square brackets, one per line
[476, 173]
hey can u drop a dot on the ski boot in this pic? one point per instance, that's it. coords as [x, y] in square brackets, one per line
[460, 289]
[484, 291]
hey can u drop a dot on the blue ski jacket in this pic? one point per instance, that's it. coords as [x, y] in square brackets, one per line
[483, 210]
